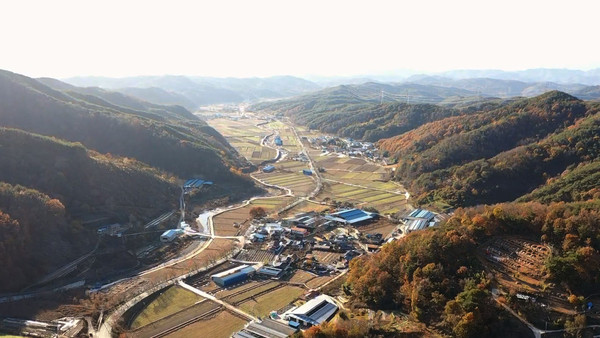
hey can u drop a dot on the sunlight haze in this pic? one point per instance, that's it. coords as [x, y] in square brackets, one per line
[264, 38]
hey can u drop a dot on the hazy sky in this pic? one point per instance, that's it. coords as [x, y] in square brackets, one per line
[262, 38]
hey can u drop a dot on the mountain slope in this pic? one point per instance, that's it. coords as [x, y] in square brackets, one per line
[356, 112]
[501, 162]
[49, 185]
[182, 146]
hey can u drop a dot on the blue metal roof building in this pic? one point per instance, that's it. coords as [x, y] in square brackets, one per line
[233, 276]
[421, 213]
[352, 216]
[278, 141]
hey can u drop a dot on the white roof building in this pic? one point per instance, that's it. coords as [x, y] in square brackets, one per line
[313, 312]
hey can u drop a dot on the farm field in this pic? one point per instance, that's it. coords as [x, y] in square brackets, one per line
[174, 299]
[272, 301]
[249, 292]
[384, 202]
[245, 137]
[294, 180]
[174, 319]
[301, 276]
[326, 257]
[318, 281]
[223, 325]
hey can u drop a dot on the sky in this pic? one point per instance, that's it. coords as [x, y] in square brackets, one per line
[227, 38]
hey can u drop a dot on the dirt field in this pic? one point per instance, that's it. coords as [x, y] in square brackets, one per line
[382, 226]
[223, 325]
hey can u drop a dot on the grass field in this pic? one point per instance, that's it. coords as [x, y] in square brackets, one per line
[223, 325]
[275, 300]
[174, 299]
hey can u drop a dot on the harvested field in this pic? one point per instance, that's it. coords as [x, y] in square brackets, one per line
[261, 306]
[326, 257]
[301, 276]
[173, 299]
[166, 323]
[238, 297]
[223, 325]
[318, 281]
[384, 202]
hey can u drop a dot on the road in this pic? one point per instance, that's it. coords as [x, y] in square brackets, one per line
[216, 300]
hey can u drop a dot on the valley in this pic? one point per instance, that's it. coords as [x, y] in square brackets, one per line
[278, 208]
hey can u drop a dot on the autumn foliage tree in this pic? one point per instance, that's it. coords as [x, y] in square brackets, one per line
[257, 212]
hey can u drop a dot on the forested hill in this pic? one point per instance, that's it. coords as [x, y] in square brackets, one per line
[176, 142]
[500, 155]
[49, 185]
[69, 154]
[356, 111]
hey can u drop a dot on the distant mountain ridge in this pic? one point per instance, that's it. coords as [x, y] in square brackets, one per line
[192, 92]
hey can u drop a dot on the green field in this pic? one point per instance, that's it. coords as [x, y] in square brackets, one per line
[173, 300]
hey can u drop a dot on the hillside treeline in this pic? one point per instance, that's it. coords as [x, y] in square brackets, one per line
[435, 276]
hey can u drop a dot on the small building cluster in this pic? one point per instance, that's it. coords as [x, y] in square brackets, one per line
[346, 146]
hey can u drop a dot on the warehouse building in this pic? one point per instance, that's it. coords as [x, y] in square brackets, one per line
[233, 276]
[419, 219]
[313, 312]
[352, 216]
